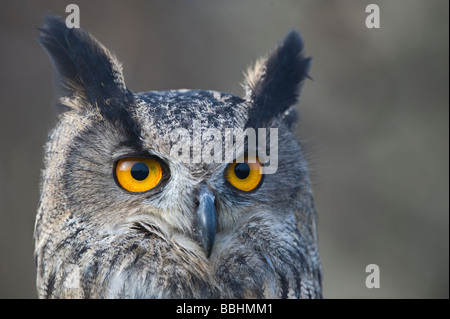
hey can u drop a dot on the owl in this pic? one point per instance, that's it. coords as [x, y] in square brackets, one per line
[131, 205]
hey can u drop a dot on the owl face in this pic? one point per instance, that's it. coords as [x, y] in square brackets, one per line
[122, 216]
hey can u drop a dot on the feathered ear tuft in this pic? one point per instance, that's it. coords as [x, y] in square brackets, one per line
[273, 85]
[88, 72]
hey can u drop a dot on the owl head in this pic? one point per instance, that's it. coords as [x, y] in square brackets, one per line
[139, 200]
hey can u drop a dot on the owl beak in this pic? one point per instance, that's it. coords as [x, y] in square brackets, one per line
[207, 219]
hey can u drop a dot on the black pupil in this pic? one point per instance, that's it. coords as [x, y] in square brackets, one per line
[242, 170]
[139, 171]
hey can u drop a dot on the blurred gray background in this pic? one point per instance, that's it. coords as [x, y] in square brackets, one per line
[375, 119]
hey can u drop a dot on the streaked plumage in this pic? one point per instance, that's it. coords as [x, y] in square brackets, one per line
[95, 240]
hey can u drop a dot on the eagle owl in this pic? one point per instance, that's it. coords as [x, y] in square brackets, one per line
[122, 216]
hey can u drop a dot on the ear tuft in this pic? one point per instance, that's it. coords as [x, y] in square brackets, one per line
[87, 71]
[273, 85]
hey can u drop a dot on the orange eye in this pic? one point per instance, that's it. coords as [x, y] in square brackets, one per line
[137, 175]
[245, 176]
